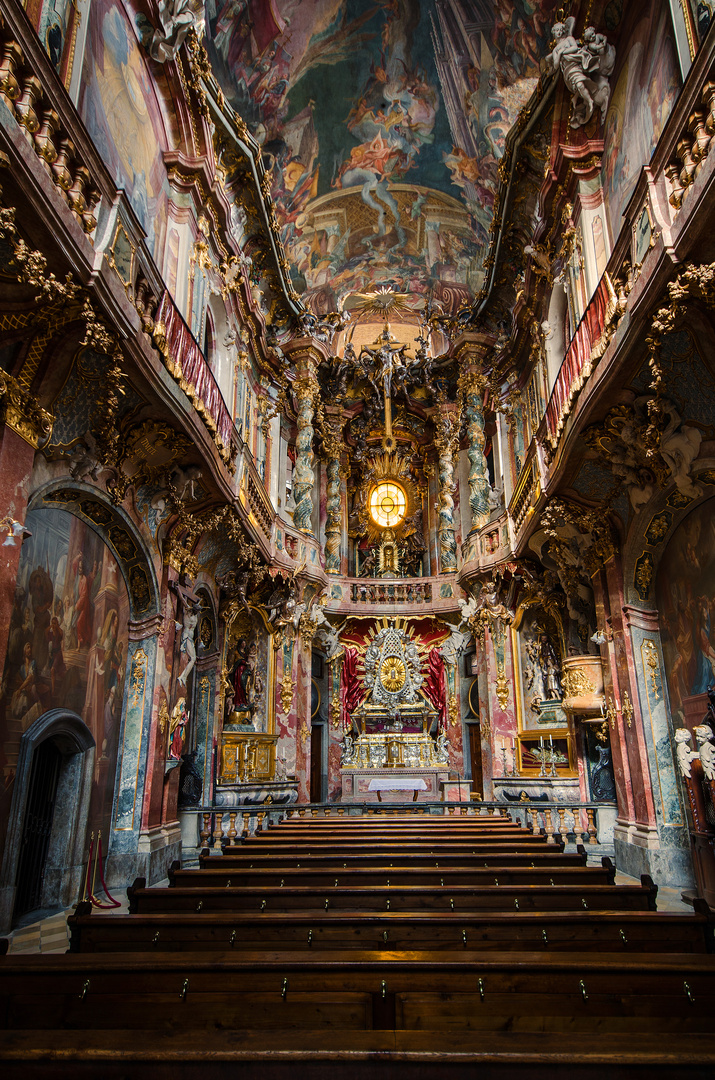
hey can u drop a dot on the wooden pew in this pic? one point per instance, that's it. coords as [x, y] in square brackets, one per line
[609, 931]
[238, 857]
[396, 898]
[569, 992]
[219, 877]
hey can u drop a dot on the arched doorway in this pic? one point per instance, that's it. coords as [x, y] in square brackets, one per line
[43, 859]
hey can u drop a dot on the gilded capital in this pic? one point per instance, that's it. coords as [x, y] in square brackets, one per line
[23, 413]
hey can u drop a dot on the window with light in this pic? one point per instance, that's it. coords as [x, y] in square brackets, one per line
[388, 503]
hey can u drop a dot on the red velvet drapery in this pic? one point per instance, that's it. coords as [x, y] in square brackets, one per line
[434, 687]
[351, 690]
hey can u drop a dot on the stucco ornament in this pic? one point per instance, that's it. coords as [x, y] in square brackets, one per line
[683, 751]
[176, 18]
[586, 66]
[706, 749]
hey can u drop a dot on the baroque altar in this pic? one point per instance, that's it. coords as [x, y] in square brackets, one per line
[390, 746]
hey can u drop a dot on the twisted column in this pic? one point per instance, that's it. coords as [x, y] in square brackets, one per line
[472, 384]
[446, 436]
[306, 392]
[333, 501]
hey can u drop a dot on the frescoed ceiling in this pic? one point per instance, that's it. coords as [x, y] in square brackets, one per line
[382, 123]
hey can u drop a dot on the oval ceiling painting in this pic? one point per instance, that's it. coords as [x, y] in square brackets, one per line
[382, 123]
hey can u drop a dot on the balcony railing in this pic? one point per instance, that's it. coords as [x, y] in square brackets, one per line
[407, 591]
[587, 345]
[185, 361]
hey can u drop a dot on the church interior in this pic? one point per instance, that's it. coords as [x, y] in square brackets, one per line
[357, 481]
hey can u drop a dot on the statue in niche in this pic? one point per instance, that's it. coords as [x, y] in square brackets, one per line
[585, 67]
[245, 682]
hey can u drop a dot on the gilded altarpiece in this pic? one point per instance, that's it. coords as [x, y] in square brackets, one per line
[247, 742]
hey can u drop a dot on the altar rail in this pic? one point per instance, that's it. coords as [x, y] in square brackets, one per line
[578, 822]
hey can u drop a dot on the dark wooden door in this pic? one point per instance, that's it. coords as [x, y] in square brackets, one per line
[36, 831]
[316, 763]
[475, 757]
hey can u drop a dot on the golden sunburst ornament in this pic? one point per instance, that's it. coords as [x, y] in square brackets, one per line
[393, 674]
[383, 302]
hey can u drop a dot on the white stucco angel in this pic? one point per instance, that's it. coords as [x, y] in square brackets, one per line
[683, 751]
[706, 748]
[189, 619]
[453, 646]
[679, 446]
[468, 608]
[176, 18]
[585, 67]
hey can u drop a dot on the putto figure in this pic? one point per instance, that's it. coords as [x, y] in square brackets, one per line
[586, 66]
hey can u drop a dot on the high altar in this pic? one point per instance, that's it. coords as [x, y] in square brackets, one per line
[390, 749]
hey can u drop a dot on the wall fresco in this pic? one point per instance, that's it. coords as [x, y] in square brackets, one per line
[645, 84]
[67, 646]
[119, 105]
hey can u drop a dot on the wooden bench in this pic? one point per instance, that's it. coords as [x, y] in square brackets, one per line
[352, 1055]
[220, 877]
[610, 931]
[238, 857]
[552, 992]
[396, 898]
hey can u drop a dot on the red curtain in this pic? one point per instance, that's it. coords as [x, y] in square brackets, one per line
[351, 691]
[434, 687]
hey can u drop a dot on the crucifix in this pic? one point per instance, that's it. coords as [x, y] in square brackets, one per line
[380, 362]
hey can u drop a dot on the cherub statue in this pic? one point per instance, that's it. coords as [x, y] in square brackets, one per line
[706, 749]
[683, 752]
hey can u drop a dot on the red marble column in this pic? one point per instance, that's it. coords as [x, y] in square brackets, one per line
[631, 738]
[302, 665]
[621, 771]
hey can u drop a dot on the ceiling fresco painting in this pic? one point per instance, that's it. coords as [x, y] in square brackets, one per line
[382, 123]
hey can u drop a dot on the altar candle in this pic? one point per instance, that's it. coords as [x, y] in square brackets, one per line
[541, 742]
[512, 744]
[551, 744]
[502, 744]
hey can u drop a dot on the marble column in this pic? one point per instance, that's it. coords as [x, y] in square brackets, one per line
[333, 495]
[205, 696]
[446, 435]
[306, 392]
[129, 851]
[473, 383]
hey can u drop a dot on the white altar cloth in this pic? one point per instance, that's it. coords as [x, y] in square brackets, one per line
[397, 783]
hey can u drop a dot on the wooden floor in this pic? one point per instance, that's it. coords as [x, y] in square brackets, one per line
[370, 947]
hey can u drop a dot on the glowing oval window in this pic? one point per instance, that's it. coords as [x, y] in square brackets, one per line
[387, 504]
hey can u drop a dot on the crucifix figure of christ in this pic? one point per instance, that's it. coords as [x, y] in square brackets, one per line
[379, 364]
